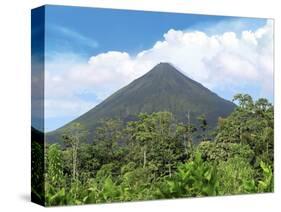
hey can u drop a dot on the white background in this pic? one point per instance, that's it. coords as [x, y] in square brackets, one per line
[15, 104]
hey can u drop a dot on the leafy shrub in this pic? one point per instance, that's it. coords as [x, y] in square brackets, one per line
[194, 178]
[233, 175]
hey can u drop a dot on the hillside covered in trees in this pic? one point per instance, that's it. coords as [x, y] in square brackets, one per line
[155, 157]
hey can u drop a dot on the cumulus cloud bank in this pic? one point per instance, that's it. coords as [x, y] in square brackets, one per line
[227, 61]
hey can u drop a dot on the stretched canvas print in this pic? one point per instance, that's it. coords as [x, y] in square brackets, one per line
[137, 105]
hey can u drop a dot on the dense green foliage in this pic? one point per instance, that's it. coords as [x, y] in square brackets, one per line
[154, 157]
[37, 166]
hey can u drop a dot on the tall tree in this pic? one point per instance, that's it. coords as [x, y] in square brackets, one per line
[108, 143]
[185, 133]
[72, 137]
[203, 127]
[251, 123]
[154, 136]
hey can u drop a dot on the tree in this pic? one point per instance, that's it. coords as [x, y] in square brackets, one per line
[251, 123]
[154, 136]
[216, 152]
[108, 144]
[72, 137]
[55, 181]
[203, 127]
[185, 133]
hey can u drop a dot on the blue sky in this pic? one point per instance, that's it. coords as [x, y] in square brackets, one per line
[123, 30]
[84, 45]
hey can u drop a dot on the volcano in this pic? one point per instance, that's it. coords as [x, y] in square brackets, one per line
[163, 88]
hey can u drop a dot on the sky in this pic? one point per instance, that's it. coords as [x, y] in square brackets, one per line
[90, 53]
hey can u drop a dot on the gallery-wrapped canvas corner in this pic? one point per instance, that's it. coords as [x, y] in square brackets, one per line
[135, 105]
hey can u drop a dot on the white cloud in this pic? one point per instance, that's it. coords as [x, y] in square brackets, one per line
[67, 107]
[223, 61]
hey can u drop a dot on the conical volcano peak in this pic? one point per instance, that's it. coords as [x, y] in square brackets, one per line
[167, 73]
[164, 66]
[164, 70]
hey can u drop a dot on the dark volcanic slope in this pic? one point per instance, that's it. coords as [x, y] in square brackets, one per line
[163, 88]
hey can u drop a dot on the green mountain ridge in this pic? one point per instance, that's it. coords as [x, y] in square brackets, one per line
[163, 88]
